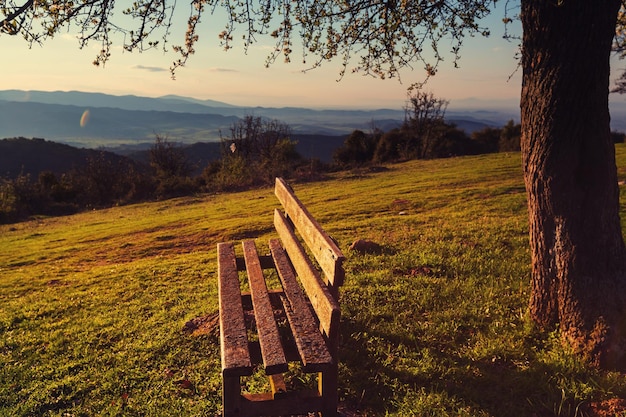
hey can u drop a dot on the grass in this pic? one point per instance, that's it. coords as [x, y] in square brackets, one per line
[93, 305]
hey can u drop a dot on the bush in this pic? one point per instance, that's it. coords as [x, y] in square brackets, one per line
[510, 137]
[388, 145]
[230, 173]
[257, 151]
[451, 141]
[357, 149]
[280, 162]
[487, 140]
[8, 201]
[20, 198]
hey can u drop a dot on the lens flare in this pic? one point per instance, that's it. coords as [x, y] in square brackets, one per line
[84, 118]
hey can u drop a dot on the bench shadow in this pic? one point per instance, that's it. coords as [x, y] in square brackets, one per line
[371, 383]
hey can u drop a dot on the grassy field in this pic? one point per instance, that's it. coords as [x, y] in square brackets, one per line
[93, 306]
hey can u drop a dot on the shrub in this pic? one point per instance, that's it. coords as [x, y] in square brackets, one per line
[510, 137]
[357, 149]
[388, 145]
[487, 140]
[256, 152]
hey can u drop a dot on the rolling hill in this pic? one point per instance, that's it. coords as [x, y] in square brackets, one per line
[32, 156]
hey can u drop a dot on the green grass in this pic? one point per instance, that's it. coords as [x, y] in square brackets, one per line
[92, 306]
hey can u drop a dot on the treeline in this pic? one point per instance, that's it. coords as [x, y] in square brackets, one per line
[424, 135]
[443, 140]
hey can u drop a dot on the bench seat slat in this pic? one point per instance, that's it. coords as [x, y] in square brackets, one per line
[271, 347]
[233, 334]
[309, 341]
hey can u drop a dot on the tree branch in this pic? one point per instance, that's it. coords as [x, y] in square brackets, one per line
[4, 24]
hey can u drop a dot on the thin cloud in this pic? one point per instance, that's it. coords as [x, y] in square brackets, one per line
[150, 69]
[217, 69]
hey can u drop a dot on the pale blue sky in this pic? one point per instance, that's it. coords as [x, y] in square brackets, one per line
[233, 77]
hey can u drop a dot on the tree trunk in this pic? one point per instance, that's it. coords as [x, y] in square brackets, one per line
[578, 255]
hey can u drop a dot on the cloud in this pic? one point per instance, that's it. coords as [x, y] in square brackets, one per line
[264, 48]
[150, 69]
[217, 69]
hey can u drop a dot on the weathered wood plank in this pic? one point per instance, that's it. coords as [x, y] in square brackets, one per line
[277, 385]
[312, 348]
[271, 347]
[326, 252]
[325, 306]
[233, 334]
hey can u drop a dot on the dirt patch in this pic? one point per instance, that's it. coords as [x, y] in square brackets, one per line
[209, 324]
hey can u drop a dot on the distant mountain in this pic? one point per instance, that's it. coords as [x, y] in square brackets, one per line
[128, 125]
[209, 103]
[98, 126]
[127, 102]
[130, 120]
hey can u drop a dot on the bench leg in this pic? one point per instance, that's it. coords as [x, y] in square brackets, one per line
[328, 389]
[231, 396]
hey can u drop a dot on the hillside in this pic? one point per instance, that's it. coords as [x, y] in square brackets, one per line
[32, 156]
[95, 305]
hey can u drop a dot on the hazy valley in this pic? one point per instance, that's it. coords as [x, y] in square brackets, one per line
[123, 121]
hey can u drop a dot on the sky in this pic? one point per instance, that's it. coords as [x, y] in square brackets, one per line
[488, 72]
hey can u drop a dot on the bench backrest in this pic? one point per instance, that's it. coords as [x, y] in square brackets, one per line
[323, 293]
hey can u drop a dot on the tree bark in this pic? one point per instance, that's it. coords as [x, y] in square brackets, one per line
[578, 257]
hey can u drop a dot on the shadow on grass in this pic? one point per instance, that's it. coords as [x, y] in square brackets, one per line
[438, 381]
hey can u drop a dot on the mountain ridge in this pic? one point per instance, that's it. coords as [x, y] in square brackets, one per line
[129, 119]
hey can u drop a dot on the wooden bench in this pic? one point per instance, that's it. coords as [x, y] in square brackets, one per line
[297, 322]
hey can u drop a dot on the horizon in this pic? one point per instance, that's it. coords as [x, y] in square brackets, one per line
[468, 103]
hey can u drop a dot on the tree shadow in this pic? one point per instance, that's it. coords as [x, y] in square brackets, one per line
[501, 387]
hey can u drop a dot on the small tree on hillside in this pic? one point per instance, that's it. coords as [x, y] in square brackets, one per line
[423, 114]
[171, 168]
[388, 146]
[449, 141]
[257, 150]
[169, 159]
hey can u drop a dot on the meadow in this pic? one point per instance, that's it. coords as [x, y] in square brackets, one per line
[94, 307]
